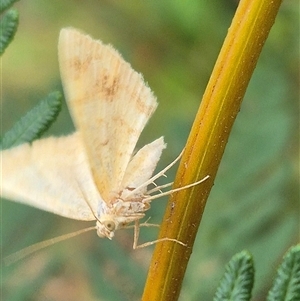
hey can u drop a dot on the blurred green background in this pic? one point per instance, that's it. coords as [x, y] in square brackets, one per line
[254, 203]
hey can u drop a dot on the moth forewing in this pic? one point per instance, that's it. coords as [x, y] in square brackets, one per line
[46, 174]
[109, 103]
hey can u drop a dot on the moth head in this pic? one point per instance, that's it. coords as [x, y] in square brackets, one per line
[106, 227]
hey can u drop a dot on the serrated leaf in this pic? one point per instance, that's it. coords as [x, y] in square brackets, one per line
[9, 24]
[238, 279]
[286, 285]
[5, 4]
[34, 123]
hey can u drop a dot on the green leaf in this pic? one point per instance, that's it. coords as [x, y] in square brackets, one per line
[34, 123]
[238, 279]
[9, 24]
[5, 4]
[286, 285]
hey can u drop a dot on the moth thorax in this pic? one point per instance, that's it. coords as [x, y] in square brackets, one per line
[126, 194]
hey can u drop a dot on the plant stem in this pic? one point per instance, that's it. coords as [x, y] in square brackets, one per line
[205, 146]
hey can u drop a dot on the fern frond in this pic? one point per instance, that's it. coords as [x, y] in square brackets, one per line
[8, 24]
[34, 123]
[286, 285]
[5, 4]
[237, 281]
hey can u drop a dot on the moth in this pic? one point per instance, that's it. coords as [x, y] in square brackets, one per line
[93, 174]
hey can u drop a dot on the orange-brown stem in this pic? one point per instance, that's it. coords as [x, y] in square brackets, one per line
[205, 146]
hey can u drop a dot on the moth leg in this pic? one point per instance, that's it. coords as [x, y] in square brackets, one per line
[146, 224]
[136, 234]
[158, 188]
[158, 175]
[149, 243]
[141, 225]
[159, 195]
[149, 225]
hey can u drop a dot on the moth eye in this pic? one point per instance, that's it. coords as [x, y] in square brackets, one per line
[109, 225]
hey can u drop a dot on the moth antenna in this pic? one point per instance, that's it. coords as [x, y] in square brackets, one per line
[158, 175]
[156, 196]
[41, 245]
[86, 200]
